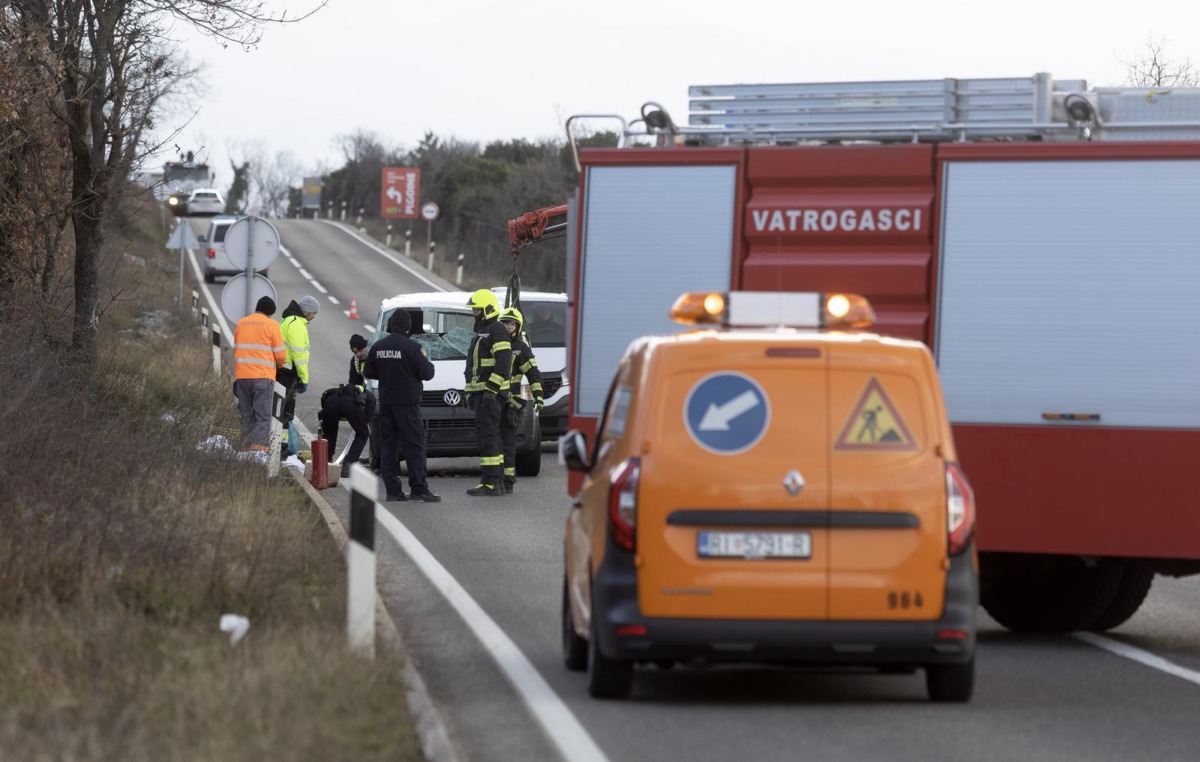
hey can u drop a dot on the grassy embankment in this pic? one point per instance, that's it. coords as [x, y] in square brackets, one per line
[121, 546]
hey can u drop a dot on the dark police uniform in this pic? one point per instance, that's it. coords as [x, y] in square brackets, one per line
[396, 360]
[354, 405]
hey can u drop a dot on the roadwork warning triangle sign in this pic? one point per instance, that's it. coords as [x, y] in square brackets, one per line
[875, 425]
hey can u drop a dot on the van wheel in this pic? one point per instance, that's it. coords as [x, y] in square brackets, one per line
[529, 463]
[575, 648]
[607, 678]
[1047, 594]
[1134, 587]
[950, 682]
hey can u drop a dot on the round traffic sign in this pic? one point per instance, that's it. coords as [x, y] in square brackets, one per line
[430, 211]
[233, 296]
[247, 232]
[727, 412]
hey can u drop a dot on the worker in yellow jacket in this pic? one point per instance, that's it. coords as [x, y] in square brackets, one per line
[258, 351]
[294, 375]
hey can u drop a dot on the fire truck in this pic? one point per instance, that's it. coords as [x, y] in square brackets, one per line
[1041, 236]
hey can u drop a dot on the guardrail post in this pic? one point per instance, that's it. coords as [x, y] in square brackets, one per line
[408, 243]
[204, 322]
[360, 561]
[432, 247]
[195, 303]
[216, 350]
[273, 449]
[458, 278]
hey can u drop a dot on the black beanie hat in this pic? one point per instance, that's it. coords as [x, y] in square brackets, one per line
[399, 322]
[266, 305]
[357, 341]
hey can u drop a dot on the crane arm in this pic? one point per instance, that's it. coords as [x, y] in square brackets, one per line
[534, 226]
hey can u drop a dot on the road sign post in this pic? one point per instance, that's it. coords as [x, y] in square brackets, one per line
[182, 238]
[429, 212]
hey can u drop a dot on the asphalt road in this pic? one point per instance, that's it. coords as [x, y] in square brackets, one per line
[1041, 698]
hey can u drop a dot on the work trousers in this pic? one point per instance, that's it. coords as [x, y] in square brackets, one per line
[488, 412]
[401, 430]
[510, 424]
[254, 396]
[343, 407]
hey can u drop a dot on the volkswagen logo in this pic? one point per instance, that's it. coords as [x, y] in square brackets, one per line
[452, 398]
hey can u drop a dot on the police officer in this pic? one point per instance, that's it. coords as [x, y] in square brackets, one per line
[489, 363]
[401, 365]
[523, 364]
[354, 405]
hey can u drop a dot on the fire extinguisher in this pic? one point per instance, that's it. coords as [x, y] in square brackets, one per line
[320, 460]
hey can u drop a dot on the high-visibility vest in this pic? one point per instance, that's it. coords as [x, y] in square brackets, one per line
[257, 347]
[295, 338]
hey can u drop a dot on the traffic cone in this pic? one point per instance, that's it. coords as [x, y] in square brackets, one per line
[353, 309]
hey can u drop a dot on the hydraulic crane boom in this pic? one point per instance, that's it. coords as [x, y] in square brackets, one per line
[533, 226]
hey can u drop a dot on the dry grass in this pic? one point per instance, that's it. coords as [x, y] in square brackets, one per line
[121, 546]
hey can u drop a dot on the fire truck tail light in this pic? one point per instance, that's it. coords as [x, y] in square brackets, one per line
[768, 309]
[960, 509]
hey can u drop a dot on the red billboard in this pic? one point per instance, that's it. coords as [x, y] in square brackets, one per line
[400, 193]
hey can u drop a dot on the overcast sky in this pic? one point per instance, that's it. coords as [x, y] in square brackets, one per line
[483, 70]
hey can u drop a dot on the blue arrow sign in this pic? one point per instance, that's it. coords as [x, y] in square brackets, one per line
[727, 413]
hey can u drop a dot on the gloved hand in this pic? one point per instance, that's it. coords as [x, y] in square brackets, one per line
[468, 398]
[301, 388]
[537, 404]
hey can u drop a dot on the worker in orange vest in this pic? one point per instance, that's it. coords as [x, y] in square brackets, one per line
[258, 351]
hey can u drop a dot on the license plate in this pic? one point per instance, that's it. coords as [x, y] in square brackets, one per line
[753, 545]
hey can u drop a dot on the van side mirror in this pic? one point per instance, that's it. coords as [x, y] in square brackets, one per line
[201, 239]
[572, 451]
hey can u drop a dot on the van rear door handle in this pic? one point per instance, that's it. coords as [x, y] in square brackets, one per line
[1070, 416]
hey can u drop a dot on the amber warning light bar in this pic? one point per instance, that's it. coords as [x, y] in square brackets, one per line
[773, 309]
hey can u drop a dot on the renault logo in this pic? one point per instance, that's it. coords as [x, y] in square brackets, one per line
[452, 398]
[793, 482]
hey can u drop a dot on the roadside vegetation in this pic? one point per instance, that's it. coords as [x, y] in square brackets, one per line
[122, 545]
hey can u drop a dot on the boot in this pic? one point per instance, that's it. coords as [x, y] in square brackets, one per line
[485, 490]
[345, 470]
[508, 487]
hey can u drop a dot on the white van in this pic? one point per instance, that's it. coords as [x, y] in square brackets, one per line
[444, 326]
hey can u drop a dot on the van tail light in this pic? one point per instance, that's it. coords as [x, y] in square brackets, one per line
[212, 253]
[622, 502]
[960, 509]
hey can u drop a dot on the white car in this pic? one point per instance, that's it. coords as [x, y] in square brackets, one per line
[216, 261]
[205, 201]
[444, 326]
[545, 316]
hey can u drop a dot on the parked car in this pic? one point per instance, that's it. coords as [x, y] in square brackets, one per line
[205, 201]
[216, 261]
[545, 316]
[444, 326]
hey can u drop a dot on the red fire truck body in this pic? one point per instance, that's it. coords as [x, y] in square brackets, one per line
[1053, 273]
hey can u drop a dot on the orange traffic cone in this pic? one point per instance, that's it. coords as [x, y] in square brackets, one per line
[353, 309]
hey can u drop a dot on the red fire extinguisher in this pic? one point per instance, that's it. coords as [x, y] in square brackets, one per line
[320, 461]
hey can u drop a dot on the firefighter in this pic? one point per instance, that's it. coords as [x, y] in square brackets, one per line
[401, 365]
[523, 364]
[489, 363]
[294, 376]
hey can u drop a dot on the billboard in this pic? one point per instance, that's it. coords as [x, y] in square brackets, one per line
[310, 193]
[400, 193]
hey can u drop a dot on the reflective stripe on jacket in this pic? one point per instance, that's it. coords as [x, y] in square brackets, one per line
[489, 360]
[295, 336]
[257, 347]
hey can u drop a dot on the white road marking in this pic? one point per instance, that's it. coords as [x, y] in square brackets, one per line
[305, 273]
[370, 328]
[318, 286]
[334, 300]
[563, 728]
[1138, 655]
[384, 252]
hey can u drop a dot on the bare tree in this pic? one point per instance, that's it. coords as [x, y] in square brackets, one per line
[111, 66]
[1156, 67]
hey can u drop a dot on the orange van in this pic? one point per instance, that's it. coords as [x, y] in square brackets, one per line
[771, 486]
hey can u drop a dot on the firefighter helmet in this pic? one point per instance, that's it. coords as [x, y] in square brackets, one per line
[513, 315]
[485, 300]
